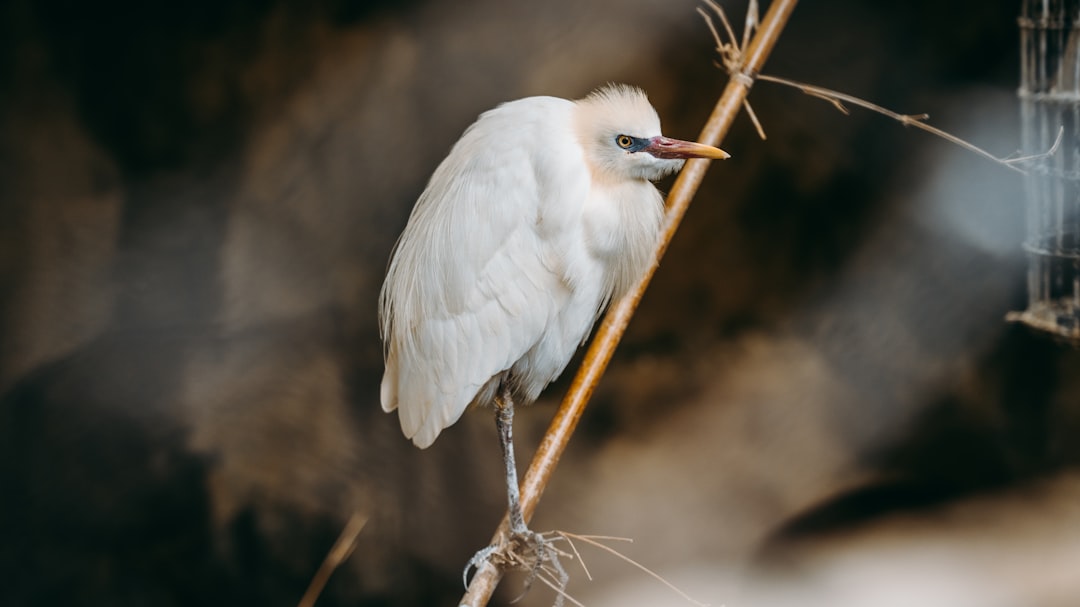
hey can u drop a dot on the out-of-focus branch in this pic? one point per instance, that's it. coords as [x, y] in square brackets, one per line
[618, 316]
[340, 551]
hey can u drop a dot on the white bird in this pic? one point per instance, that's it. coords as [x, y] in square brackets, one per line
[543, 212]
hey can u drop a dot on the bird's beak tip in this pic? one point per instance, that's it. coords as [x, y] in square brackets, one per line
[700, 150]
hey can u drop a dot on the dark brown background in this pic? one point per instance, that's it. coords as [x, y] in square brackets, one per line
[818, 404]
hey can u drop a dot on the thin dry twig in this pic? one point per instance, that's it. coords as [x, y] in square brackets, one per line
[619, 313]
[340, 551]
[838, 99]
[731, 56]
[594, 540]
[751, 24]
[731, 52]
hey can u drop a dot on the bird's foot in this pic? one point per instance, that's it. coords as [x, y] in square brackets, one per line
[526, 550]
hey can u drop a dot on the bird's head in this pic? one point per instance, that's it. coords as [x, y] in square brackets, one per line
[620, 132]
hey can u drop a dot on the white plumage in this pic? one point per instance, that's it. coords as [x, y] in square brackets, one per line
[542, 212]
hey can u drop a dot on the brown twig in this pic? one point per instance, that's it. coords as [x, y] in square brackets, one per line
[838, 99]
[618, 316]
[341, 550]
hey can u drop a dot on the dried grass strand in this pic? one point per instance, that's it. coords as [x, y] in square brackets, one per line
[552, 581]
[593, 540]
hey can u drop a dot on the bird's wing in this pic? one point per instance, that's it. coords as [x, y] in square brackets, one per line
[475, 279]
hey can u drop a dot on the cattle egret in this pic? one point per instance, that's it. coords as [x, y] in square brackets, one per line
[543, 212]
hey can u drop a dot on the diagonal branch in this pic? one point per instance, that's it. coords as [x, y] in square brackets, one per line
[618, 316]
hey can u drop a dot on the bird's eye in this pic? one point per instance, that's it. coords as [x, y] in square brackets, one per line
[624, 141]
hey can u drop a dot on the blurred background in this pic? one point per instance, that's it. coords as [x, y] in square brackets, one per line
[818, 403]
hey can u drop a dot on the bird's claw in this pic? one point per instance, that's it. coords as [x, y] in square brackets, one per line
[482, 556]
[525, 550]
[542, 552]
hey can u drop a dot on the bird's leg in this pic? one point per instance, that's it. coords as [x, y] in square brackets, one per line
[523, 548]
[504, 421]
[522, 538]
